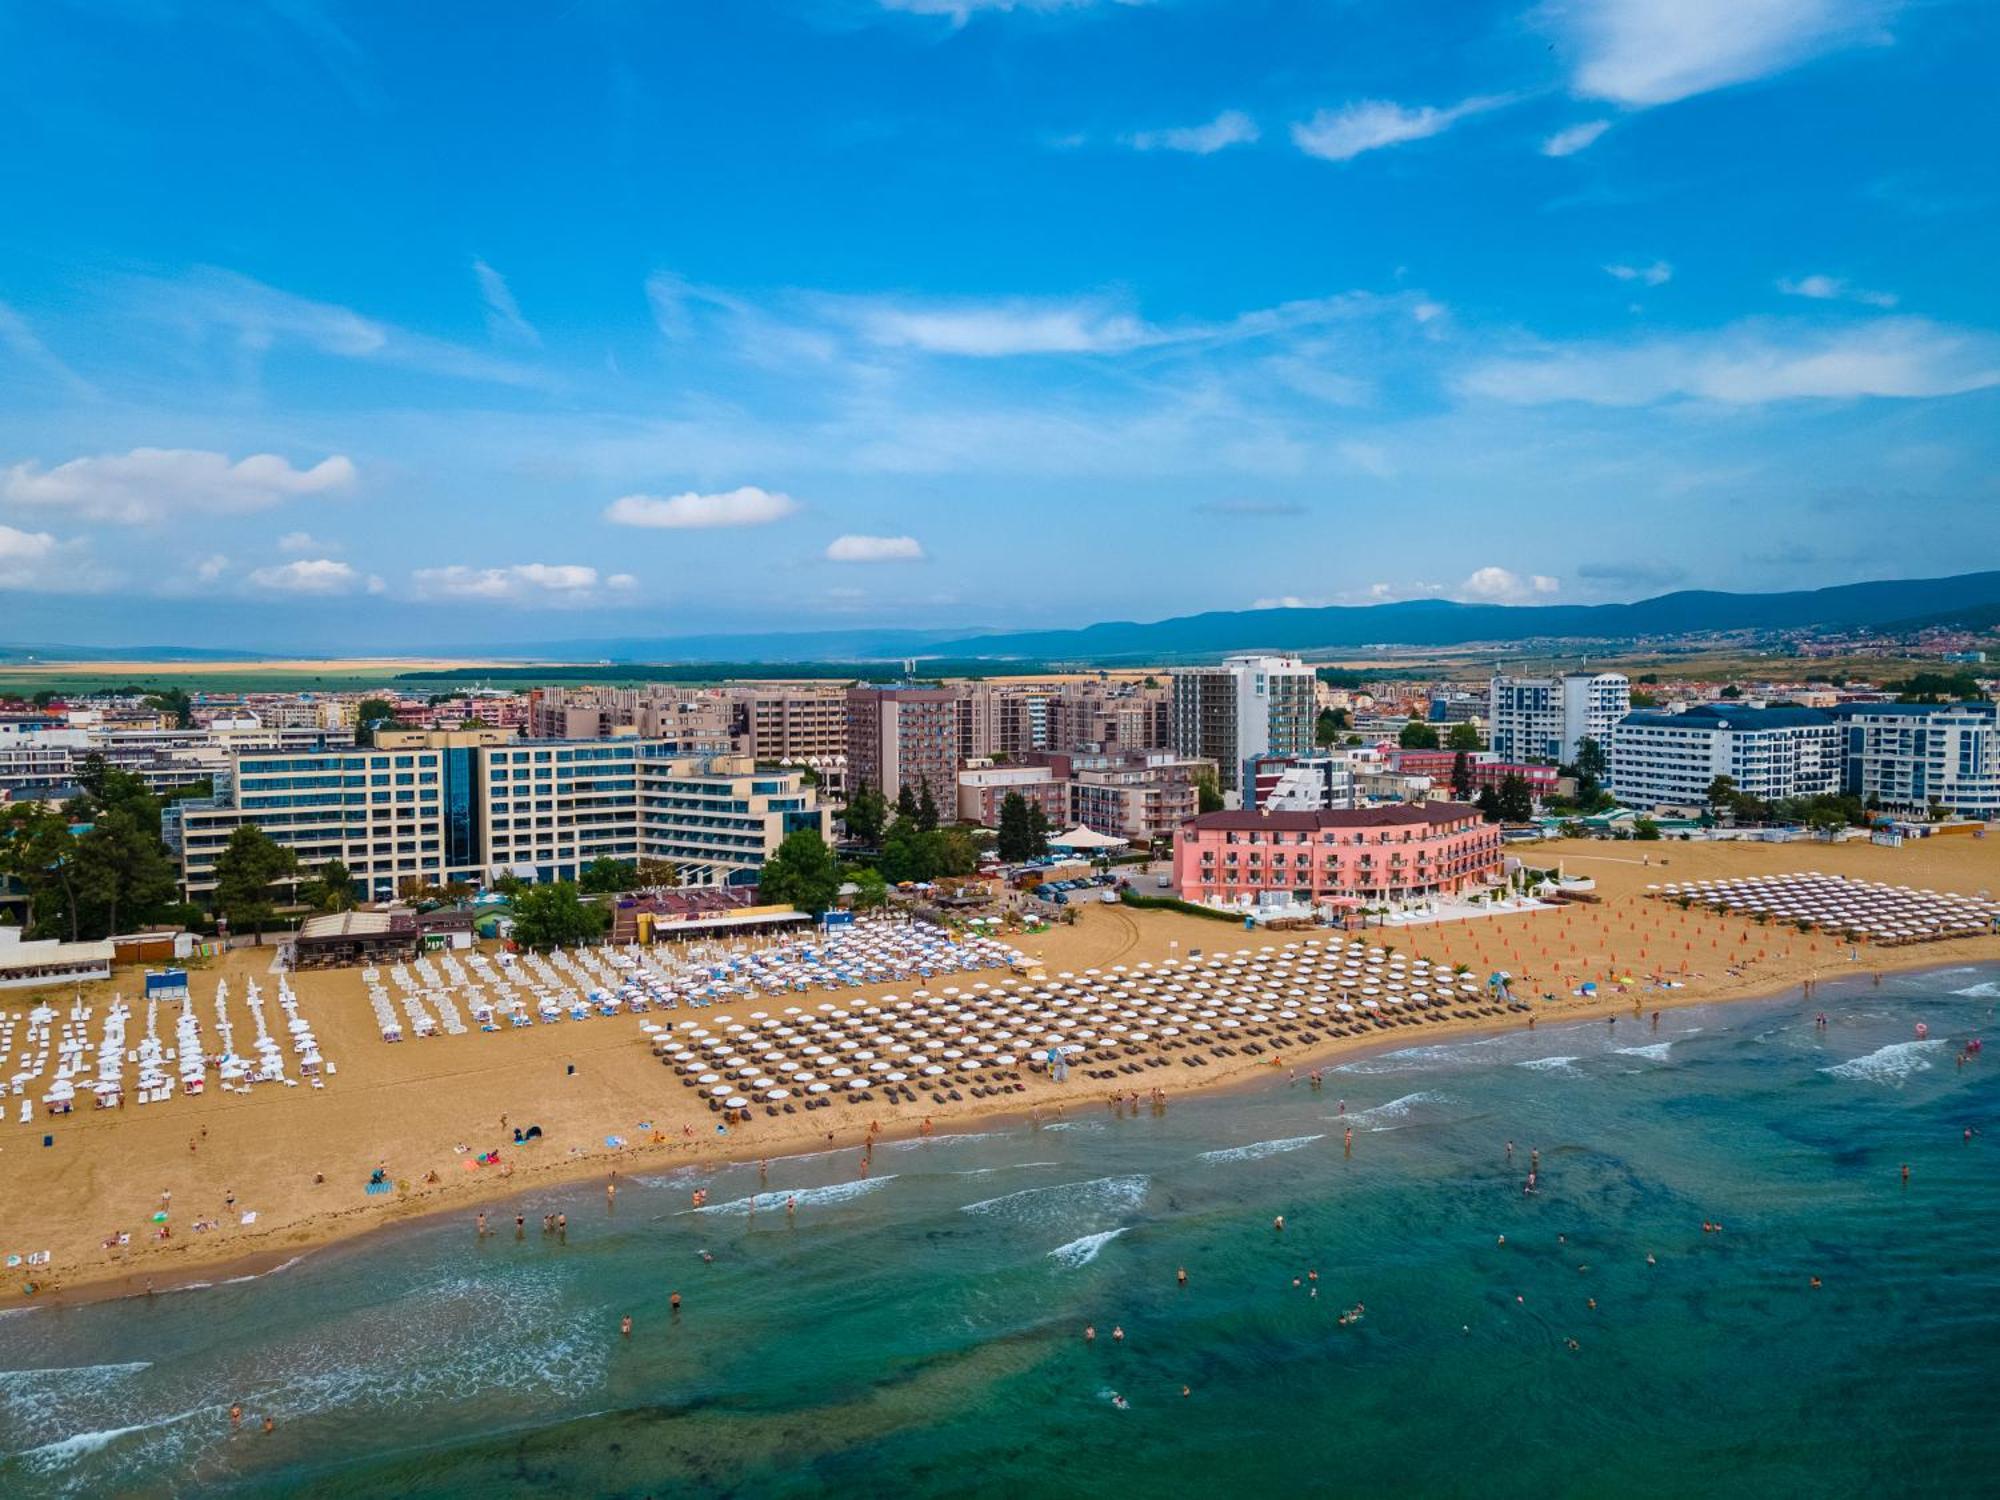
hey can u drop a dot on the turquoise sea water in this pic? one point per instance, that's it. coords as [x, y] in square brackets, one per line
[919, 1333]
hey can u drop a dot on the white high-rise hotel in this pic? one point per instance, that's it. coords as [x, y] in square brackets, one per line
[1247, 707]
[1544, 718]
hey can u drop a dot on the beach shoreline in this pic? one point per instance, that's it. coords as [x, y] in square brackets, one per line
[193, 1266]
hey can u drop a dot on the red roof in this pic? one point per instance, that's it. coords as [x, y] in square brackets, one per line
[1395, 815]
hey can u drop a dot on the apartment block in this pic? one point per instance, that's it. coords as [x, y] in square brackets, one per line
[903, 737]
[1905, 756]
[1670, 760]
[1545, 718]
[1248, 707]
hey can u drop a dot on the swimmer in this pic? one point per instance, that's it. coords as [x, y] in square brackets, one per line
[625, 1325]
[1118, 1401]
[1117, 1333]
[1906, 1172]
[520, 1226]
[1347, 1141]
[1090, 1333]
[1815, 1283]
[1502, 1240]
[269, 1425]
[1279, 1222]
[1649, 1259]
[674, 1303]
[1510, 1151]
[1591, 1303]
[482, 1226]
[1185, 1393]
[791, 1203]
[1180, 1276]
[236, 1414]
[610, 1194]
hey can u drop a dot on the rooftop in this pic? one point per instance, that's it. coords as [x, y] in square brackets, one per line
[1396, 815]
[1730, 716]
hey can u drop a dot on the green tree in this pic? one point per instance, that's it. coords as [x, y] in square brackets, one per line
[1732, 691]
[1645, 828]
[39, 854]
[1017, 838]
[605, 876]
[927, 808]
[123, 873]
[906, 803]
[867, 814]
[904, 856]
[1591, 766]
[1937, 687]
[802, 871]
[1461, 776]
[1463, 737]
[175, 704]
[330, 890]
[555, 916]
[1207, 792]
[950, 851]
[870, 889]
[1517, 803]
[1417, 735]
[1038, 830]
[1326, 731]
[1645, 700]
[1488, 803]
[370, 715]
[247, 873]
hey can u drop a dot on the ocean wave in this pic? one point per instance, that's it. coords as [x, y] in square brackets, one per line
[1109, 1194]
[1548, 1064]
[130, 1367]
[1259, 1149]
[813, 1197]
[1652, 1052]
[1384, 1116]
[946, 1140]
[68, 1450]
[1012, 1166]
[1890, 1064]
[1985, 990]
[1081, 1252]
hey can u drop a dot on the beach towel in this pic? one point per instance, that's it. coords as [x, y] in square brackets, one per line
[375, 1188]
[250, 1217]
[614, 1141]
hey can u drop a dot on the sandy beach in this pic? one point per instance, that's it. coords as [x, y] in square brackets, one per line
[423, 1110]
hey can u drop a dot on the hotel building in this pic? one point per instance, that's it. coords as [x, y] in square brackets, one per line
[1246, 708]
[1394, 853]
[903, 737]
[1545, 718]
[1670, 759]
[1905, 756]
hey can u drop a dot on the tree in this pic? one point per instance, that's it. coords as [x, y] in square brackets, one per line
[1488, 804]
[1461, 776]
[1326, 731]
[870, 889]
[906, 803]
[554, 915]
[904, 857]
[1721, 792]
[1017, 837]
[1645, 700]
[656, 874]
[802, 871]
[1417, 735]
[927, 808]
[370, 715]
[1732, 691]
[40, 853]
[1463, 736]
[1517, 803]
[1591, 765]
[175, 704]
[331, 890]
[1038, 830]
[1645, 828]
[122, 872]
[1937, 687]
[246, 875]
[1207, 793]
[605, 876]
[867, 814]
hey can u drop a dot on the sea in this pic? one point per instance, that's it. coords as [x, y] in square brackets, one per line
[1421, 1325]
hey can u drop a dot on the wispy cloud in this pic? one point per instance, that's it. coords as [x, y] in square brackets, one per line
[958, 12]
[16, 335]
[503, 313]
[1835, 289]
[554, 585]
[1647, 52]
[1345, 133]
[150, 485]
[744, 506]
[1749, 364]
[1659, 273]
[1574, 138]
[994, 329]
[874, 549]
[1230, 128]
[319, 576]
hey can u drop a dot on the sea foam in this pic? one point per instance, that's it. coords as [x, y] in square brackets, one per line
[1081, 1252]
[1386, 1116]
[813, 1197]
[1890, 1064]
[1110, 1194]
[1258, 1149]
[1652, 1052]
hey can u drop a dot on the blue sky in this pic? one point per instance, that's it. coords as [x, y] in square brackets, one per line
[399, 327]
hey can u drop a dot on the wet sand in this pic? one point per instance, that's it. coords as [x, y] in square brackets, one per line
[406, 1107]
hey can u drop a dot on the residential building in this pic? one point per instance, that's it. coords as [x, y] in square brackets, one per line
[1545, 718]
[434, 806]
[1394, 853]
[983, 789]
[1903, 757]
[903, 737]
[36, 757]
[1487, 769]
[1671, 759]
[1139, 795]
[1244, 709]
[694, 721]
[793, 724]
[1005, 719]
[1127, 715]
[1301, 783]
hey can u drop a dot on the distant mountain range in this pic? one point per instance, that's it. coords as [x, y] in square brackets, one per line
[1974, 597]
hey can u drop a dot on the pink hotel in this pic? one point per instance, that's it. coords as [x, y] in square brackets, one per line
[1371, 854]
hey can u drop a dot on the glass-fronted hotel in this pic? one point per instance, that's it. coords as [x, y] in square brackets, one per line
[431, 807]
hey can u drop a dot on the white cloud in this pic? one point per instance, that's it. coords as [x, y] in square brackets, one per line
[318, 575]
[1230, 128]
[1751, 363]
[1491, 585]
[1574, 138]
[25, 557]
[211, 567]
[17, 335]
[875, 549]
[503, 313]
[1835, 289]
[1646, 52]
[995, 329]
[1659, 273]
[1343, 134]
[1288, 601]
[745, 506]
[156, 484]
[305, 541]
[555, 584]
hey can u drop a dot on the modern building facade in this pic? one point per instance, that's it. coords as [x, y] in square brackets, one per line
[1905, 757]
[432, 807]
[1546, 718]
[983, 789]
[1244, 709]
[1301, 783]
[1396, 853]
[1671, 759]
[1487, 770]
[903, 737]
[793, 724]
